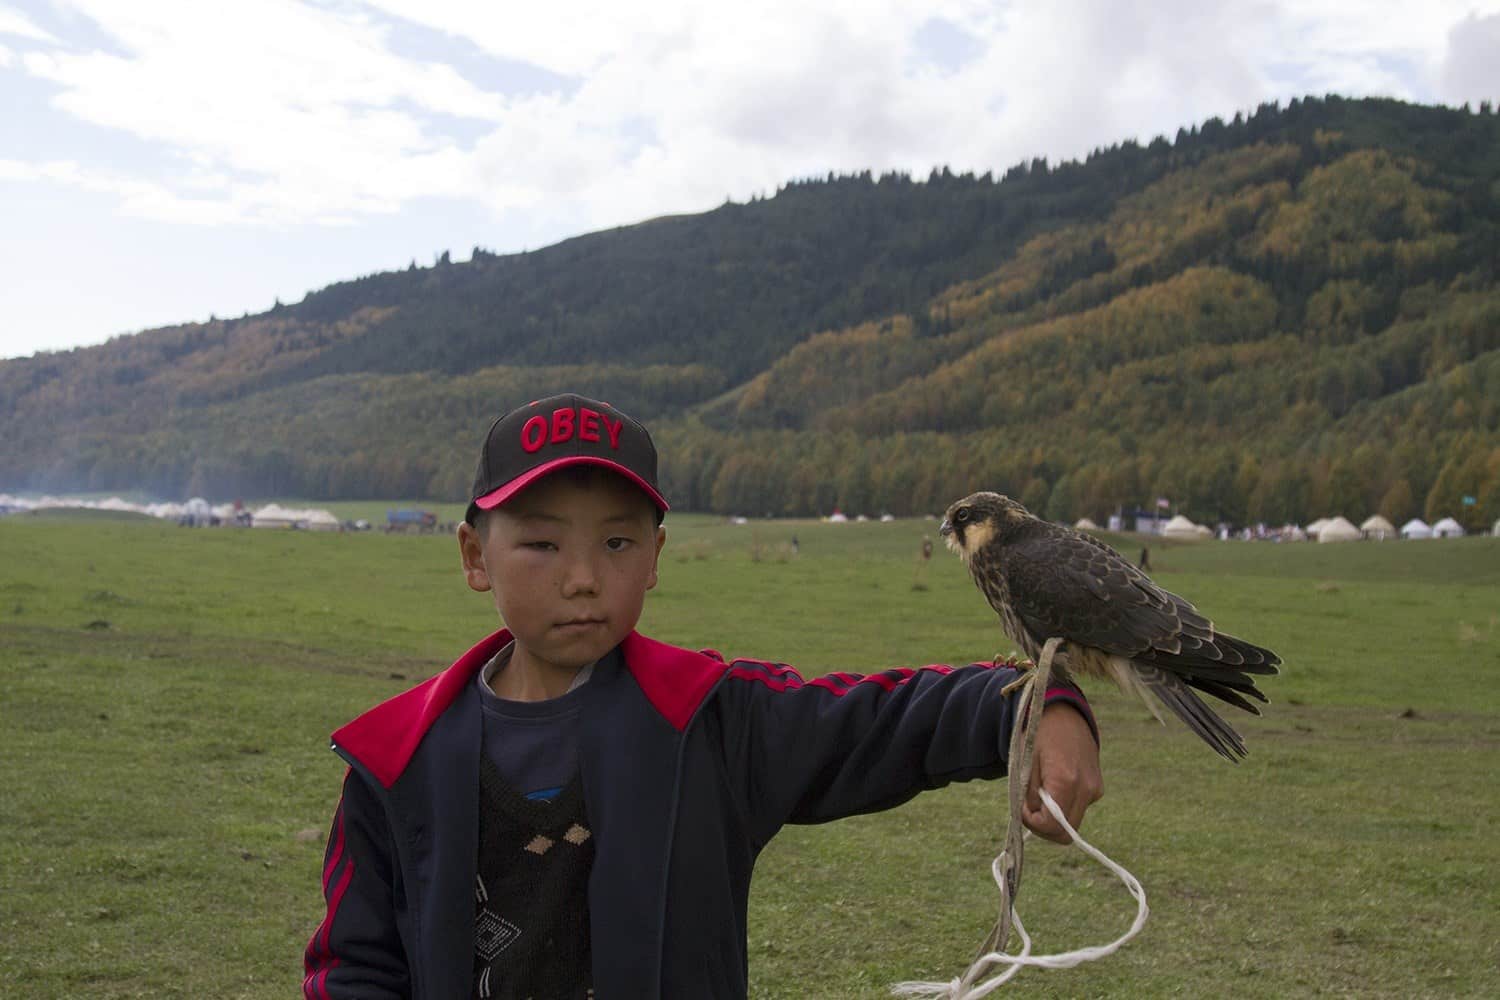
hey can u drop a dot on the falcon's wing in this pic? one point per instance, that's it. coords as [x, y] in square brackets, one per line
[1069, 585]
[1062, 583]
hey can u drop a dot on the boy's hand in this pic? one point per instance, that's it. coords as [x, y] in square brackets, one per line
[1067, 765]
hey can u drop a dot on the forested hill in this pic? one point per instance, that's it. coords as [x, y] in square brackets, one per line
[1292, 313]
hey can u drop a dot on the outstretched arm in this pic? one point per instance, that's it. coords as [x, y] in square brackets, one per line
[806, 752]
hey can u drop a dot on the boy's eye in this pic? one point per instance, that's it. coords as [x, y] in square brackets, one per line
[539, 546]
[618, 543]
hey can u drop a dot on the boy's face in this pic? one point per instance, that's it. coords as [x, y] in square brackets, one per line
[569, 560]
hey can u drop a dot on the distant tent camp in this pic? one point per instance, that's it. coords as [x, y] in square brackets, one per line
[1317, 526]
[1496, 529]
[1378, 528]
[1339, 530]
[1084, 524]
[1181, 529]
[1416, 528]
[1447, 528]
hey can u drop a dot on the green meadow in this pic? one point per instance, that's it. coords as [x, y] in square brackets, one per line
[165, 782]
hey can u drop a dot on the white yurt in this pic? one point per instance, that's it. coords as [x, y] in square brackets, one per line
[1181, 529]
[115, 503]
[319, 520]
[1416, 528]
[1377, 527]
[1447, 528]
[1496, 529]
[197, 511]
[1317, 526]
[170, 510]
[1086, 524]
[274, 516]
[1339, 529]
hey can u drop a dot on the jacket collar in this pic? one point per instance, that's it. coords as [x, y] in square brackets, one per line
[674, 680]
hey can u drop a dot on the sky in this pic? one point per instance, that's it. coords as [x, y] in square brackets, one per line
[165, 161]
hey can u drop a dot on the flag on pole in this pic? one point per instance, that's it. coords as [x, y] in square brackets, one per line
[1163, 502]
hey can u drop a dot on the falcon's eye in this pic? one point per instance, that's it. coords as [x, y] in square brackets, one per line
[961, 516]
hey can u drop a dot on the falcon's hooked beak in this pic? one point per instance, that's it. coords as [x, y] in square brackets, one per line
[951, 537]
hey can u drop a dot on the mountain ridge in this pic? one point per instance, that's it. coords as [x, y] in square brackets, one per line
[1216, 319]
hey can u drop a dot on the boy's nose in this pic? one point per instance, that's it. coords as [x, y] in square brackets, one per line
[581, 578]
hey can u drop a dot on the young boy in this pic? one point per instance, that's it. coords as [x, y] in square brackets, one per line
[574, 807]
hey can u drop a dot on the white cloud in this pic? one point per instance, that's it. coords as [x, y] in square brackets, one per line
[284, 112]
[13, 22]
[1471, 65]
[311, 106]
[138, 198]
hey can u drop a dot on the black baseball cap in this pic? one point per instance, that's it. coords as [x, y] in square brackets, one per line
[546, 434]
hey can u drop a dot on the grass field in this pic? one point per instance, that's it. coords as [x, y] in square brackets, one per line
[165, 782]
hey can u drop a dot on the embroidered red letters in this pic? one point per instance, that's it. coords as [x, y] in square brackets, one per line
[565, 423]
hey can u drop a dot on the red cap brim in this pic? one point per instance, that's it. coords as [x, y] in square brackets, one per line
[497, 497]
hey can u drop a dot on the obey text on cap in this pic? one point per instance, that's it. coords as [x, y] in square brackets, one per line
[566, 422]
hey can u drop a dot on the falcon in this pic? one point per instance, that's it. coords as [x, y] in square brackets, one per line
[1045, 580]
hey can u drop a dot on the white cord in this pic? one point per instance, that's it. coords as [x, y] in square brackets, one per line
[960, 989]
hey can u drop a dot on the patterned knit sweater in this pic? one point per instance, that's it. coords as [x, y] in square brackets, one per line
[531, 917]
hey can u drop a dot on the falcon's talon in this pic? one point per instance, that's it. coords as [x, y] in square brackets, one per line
[1025, 668]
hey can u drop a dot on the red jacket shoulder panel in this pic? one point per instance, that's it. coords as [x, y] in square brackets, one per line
[674, 680]
[384, 738]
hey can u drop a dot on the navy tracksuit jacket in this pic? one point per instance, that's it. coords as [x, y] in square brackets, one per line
[690, 765]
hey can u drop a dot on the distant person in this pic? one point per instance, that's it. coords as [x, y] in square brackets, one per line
[572, 805]
[795, 546]
[926, 548]
[1145, 561]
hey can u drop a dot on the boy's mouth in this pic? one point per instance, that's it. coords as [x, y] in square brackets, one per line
[579, 624]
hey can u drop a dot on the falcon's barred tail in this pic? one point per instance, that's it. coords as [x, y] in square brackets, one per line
[1156, 687]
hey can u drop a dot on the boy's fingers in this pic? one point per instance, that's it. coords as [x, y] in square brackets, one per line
[1066, 793]
[1040, 822]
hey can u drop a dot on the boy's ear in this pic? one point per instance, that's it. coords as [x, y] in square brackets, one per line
[471, 551]
[661, 539]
